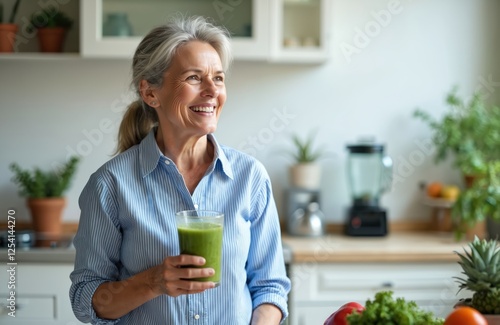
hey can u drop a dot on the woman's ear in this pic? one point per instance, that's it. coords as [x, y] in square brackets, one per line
[147, 94]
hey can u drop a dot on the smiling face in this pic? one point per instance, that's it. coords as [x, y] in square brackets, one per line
[193, 92]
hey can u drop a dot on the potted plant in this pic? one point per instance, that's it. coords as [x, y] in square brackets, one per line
[305, 172]
[44, 192]
[481, 268]
[8, 29]
[51, 25]
[471, 132]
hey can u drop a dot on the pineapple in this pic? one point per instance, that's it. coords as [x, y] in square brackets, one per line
[481, 266]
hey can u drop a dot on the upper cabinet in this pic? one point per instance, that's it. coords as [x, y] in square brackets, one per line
[246, 20]
[262, 30]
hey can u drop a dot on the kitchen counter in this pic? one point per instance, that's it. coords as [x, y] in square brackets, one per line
[41, 255]
[395, 247]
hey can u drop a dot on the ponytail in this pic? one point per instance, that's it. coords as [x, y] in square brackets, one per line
[137, 122]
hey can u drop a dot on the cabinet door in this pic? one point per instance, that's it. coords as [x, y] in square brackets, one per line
[41, 295]
[300, 30]
[319, 289]
[247, 21]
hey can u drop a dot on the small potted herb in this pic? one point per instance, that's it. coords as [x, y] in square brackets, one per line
[8, 27]
[305, 172]
[51, 24]
[44, 191]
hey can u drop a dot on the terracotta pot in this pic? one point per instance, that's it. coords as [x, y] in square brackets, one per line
[306, 175]
[7, 37]
[46, 215]
[51, 39]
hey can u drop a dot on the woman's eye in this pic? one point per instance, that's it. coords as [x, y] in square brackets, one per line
[193, 78]
[219, 79]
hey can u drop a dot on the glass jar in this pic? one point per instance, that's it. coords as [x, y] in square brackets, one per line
[116, 24]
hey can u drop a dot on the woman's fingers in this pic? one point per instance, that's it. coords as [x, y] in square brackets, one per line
[177, 272]
[184, 260]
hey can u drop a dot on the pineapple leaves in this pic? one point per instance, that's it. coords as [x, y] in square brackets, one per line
[480, 267]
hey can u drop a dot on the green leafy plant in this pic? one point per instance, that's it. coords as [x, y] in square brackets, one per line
[49, 18]
[469, 130]
[304, 152]
[384, 309]
[481, 267]
[42, 184]
[13, 13]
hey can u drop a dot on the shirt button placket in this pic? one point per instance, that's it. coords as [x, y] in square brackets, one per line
[196, 317]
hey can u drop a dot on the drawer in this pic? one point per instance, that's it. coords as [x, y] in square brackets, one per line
[361, 281]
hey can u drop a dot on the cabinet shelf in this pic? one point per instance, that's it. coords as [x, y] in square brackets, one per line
[39, 56]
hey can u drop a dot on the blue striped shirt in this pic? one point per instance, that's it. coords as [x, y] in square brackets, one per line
[127, 225]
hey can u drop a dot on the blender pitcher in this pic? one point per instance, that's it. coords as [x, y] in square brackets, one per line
[369, 173]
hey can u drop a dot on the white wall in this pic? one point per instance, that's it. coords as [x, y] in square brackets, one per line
[412, 59]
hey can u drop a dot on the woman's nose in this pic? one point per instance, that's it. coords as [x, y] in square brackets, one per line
[209, 88]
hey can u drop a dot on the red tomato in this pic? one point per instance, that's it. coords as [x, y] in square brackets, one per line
[339, 317]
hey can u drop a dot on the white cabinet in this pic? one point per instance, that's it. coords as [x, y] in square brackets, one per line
[262, 30]
[41, 294]
[247, 20]
[319, 289]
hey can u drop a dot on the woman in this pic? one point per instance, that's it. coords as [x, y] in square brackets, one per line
[128, 269]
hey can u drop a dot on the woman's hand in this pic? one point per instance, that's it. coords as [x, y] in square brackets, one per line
[172, 277]
[112, 300]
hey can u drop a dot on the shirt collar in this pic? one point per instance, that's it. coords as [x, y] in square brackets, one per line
[150, 155]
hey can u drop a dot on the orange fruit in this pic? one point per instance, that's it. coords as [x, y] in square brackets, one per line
[465, 315]
[434, 189]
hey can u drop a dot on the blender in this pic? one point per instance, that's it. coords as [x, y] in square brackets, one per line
[369, 176]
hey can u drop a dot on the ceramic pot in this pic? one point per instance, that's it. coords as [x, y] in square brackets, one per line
[7, 37]
[51, 39]
[306, 175]
[46, 215]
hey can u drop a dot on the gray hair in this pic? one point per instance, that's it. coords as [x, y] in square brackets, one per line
[153, 57]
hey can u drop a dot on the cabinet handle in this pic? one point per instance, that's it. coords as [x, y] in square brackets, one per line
[4, 308]
[387, 285]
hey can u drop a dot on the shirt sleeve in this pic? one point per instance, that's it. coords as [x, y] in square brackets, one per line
[97, 245]
[267, 279]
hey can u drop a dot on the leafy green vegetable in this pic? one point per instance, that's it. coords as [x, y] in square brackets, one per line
[385, 310]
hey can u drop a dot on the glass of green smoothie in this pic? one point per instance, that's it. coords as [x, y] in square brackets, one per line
[200, 234]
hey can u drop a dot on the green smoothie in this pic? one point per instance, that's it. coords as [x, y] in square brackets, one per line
[203, 239]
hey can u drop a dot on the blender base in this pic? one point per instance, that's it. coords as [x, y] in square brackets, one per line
[366, 221]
